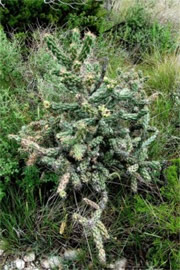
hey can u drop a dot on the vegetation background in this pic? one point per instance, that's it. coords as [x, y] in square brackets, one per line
[143, 35]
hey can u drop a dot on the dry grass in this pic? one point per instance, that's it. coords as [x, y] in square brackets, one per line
[164, 11]
[120, 8]
[167, 11]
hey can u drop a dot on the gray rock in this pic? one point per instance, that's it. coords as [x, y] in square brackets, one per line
[54, 261]
[120, 264]
[51, 262]
[1, 252]
[30, 257]
[45, 263]
[7, 267]
[19, 264]
[71, 254]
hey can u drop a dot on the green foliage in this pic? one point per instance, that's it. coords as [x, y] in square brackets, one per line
[93, 129]
[164, 252]
[32, 178]
[11, 68]
[93, 22]
[140, 35]
[172, 189]
[146, 229]
[11, 119]
[20, 14]
[14, 109]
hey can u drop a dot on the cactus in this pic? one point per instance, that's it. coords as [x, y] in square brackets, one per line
[96, 128]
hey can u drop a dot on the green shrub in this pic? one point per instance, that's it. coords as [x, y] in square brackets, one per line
[140, 35]
[11, 119]
[19, 15]
[94, 129]
[11, 67]
[95, 23]
[14, 109]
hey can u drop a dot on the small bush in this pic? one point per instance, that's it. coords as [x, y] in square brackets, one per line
[140, 35]
[20, 15]
[11, 119]
[14, 103]
[11, 68]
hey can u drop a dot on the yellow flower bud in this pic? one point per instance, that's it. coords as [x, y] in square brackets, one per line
[46, 104]
[104, 111]
[62, 194]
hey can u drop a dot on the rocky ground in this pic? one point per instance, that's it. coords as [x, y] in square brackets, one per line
[30, 262]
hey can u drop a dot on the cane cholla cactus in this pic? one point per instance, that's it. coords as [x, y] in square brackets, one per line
[94, 129]
[94, 226]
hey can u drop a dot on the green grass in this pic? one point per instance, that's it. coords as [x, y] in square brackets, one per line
[145, 227]
[164, 79]
[30, 220]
